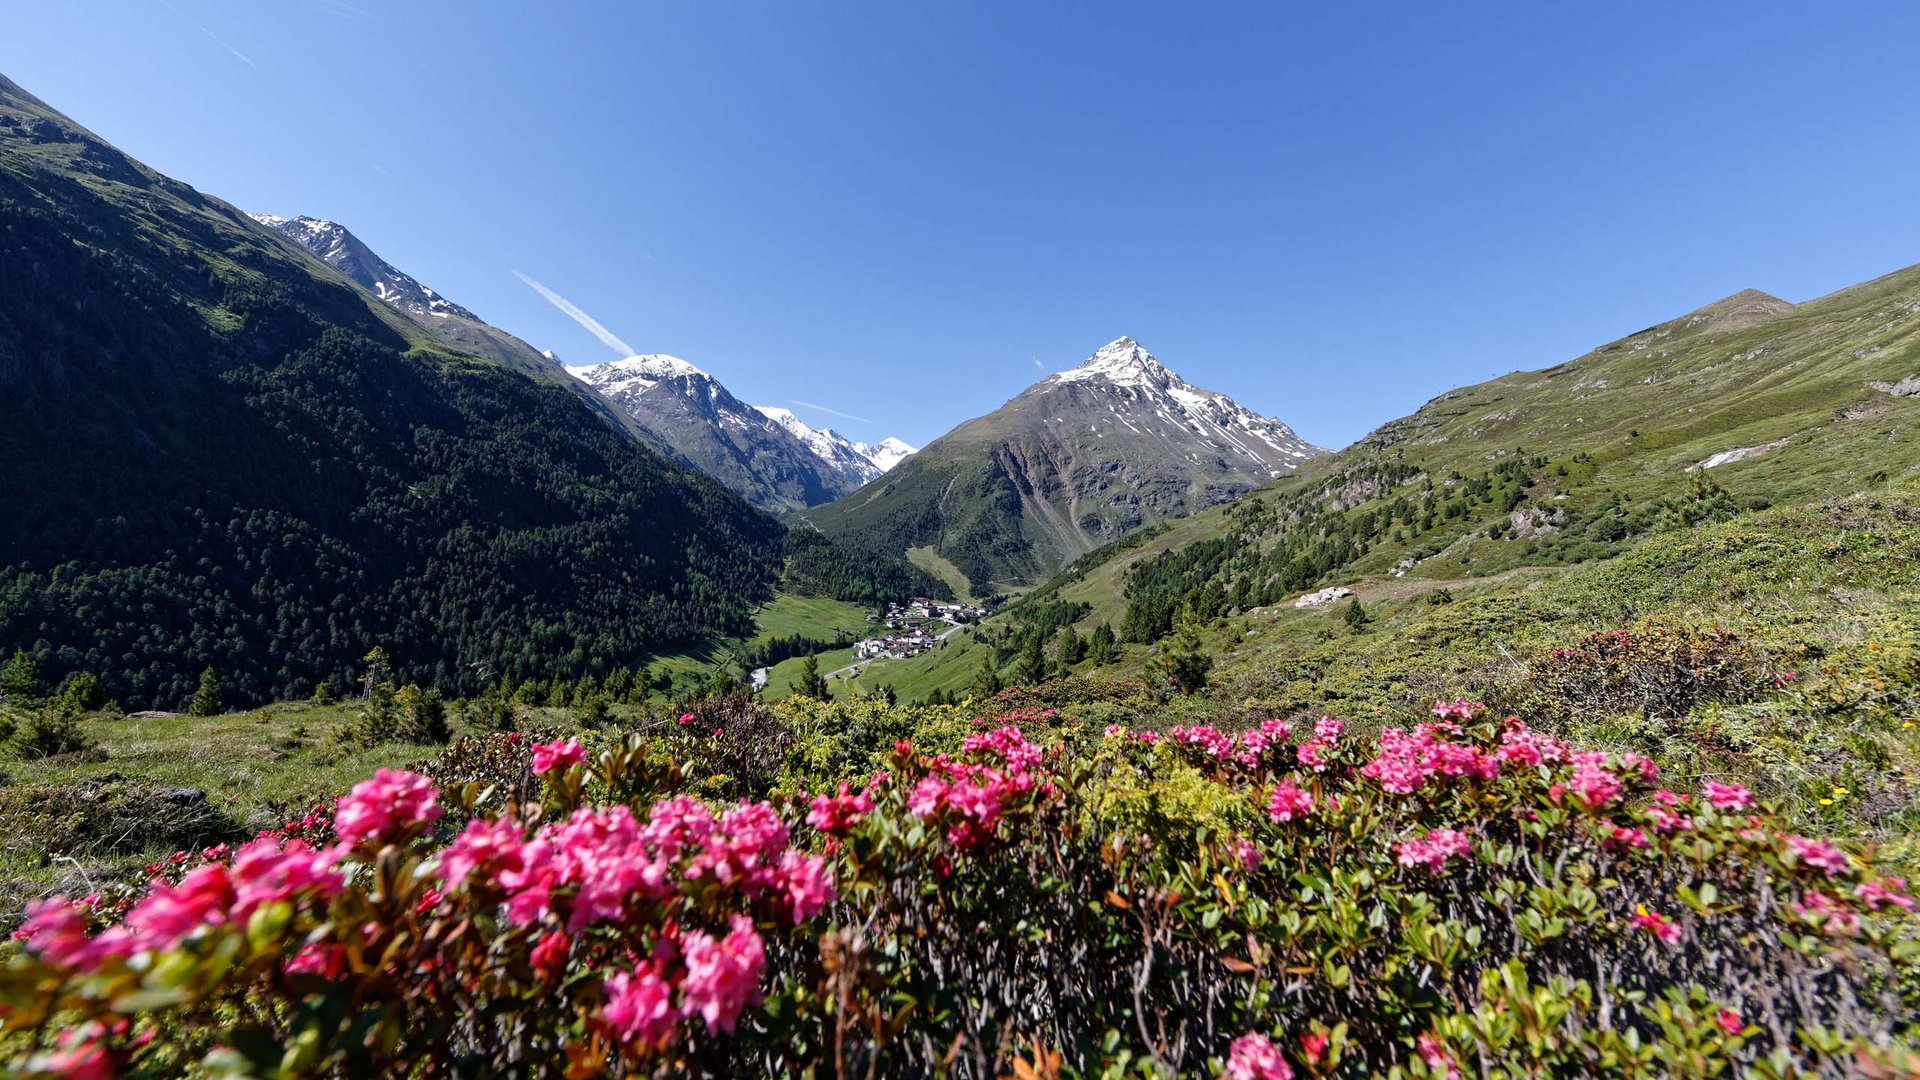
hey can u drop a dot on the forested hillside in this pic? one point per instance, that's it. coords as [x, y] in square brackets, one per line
[222, 454]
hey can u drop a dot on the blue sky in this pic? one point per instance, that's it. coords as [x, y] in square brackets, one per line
[904, 211]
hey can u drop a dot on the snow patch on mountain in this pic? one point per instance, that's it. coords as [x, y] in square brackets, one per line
[343, 251]
[863, 459]
[1140, 385]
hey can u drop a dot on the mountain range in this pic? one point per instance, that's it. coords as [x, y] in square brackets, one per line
[1079, 458]
[766, 454]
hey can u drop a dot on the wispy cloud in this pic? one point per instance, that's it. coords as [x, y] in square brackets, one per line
[215, 38]
[567, 308]
[835, 412]
[1038, 365]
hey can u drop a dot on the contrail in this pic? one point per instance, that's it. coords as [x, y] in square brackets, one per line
[587, 321]
[836, 412]
[242, 57]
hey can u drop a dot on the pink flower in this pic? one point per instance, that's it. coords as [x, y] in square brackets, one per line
[1457, 710]
[1309, 755]
[1148, 737]
[1435, 1055]
[1592, 782]
[264, 872]
[549, 955]
[487, 845]
[1827, 913]
[1289, 801]
[639, 1006]
[1819, 854]
[56, 931]
[1623, 838]
[315, 958]
[1248, 855]
[389, 806]
[837, 814]
[1116, 731]
[1328, 730]
[1520, 745]
[169, 913]
[1434, 850]
[1661, 927]
[1006, 743]
[1884, 890]
[1254, 1057]
[1313, 1044]
[722, 976]
[557, 755]
[807, 884]
[1729, 1021]
[1728, 797]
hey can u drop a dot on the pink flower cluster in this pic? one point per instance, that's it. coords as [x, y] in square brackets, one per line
[1434, 850]
[1247, 750]
[970, 799]
[1665, 813]
[595, 865]
[1289, 801]
[559, 754]
[1407, 761]
[1255, 1057]
[1886, 890]
[1819, 854]
[1007, 743]
[837, 814]
[715, 979]
[1728, 797]
[263, 872]
[1521, 745]
[390, 807]
[1826, 913]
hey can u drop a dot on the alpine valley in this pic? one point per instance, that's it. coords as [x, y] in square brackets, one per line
[380, 696]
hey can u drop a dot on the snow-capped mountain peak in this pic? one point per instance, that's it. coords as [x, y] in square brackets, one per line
[637, 373]
[861, 459]
[1122, 362]
[886, 453]
[343, 251]
[1127, 377]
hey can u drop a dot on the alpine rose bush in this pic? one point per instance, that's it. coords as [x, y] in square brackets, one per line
[1289, 900]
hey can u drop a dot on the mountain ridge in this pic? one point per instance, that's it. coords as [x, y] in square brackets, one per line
[1075, 459]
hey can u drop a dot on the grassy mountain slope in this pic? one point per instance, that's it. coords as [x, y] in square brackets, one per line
[223, 454]
[1575, 462]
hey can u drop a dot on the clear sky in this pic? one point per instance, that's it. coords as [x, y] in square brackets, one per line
[903, 211]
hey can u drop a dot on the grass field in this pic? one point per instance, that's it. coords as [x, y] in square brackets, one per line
[931, 561]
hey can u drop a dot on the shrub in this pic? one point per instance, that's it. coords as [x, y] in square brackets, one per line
[1658, 669]
[1466, 892]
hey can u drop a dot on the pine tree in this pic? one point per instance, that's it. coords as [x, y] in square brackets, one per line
[19, 681]
[206, 699]
[82, 693]
[987, 682]
[1184, 665]
[1069, 648]
[811, 684]
[1357, 617]
[1031, 670]
[1100, 648]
